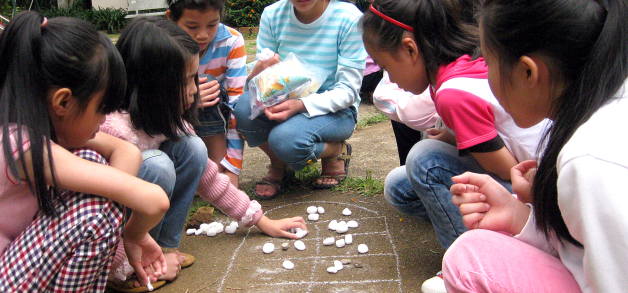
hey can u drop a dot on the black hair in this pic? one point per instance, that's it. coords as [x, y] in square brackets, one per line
[35, 58]
[585, 46]
[156, 54]
[177, 7]
[444, 30]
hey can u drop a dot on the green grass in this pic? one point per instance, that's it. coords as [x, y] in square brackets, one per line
[197, 203]
[370, 119]
[366, 186]
[251, 48]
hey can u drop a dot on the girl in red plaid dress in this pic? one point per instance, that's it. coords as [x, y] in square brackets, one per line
[60, 214]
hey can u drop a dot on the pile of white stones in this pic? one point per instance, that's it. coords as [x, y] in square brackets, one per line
[340, 227]
[213, 228]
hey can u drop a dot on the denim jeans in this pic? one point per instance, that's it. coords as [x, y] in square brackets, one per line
[177, 166]
[298, 141]
[420, 189]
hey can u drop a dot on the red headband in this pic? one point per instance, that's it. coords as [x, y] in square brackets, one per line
[389, 19]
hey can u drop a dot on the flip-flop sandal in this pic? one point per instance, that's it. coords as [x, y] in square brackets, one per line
[127, 285]
[345, 154]
[278, 185]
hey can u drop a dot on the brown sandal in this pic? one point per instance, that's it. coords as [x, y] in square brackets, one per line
[278, 185]
[127, 285]
[345, 155]
[189, 259]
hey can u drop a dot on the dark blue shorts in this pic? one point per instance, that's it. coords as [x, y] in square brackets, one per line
[214, 120]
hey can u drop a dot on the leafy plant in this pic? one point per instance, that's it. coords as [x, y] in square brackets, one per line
[366, 186]
[245, 13]
[370, 119]
[111, 19]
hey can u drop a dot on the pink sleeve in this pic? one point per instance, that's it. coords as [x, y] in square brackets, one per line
[469, 116]
[216, 189]
[415, 111]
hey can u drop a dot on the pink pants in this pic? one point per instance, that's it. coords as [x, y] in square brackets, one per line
[488, 261]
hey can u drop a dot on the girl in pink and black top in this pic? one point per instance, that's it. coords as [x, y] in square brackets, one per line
[410, 40]
[159, 109]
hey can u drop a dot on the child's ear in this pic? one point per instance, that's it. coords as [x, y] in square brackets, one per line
[528, 70]
[62, 101]
[409, 46]
[168, 15]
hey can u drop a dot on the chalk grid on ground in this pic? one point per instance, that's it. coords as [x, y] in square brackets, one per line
[310, 272]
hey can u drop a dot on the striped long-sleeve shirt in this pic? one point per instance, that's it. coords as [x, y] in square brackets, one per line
[225, 59]
[332, 42]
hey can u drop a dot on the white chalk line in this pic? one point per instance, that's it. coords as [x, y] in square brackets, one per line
[318, 249]
[395, 251]
[320, 201]
[224, 277]
[285, 283]
[311, 282]
[326, 257]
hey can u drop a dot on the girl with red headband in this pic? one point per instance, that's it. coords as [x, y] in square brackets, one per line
[434, 43]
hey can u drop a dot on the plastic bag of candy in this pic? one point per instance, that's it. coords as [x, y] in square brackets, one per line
[292, 78]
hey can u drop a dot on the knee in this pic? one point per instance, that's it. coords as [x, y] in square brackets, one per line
[393, 185]
[196, 151]
[157, 168]
[242, 111]
[288, 146]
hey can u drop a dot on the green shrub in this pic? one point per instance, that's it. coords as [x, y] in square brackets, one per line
[110, 19]
[245, 13]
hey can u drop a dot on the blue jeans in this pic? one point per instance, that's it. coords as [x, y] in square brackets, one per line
[298, 141]
[177, 166]
[420, 189]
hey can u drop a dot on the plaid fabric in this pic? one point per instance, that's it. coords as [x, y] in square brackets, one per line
[68, 253]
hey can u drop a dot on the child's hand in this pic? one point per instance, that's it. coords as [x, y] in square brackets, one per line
[280, 228]
[441, 134]
[143, 253]
[208, 92]
[522, 176]
[284, 110]
[261, 65]
[486, 204]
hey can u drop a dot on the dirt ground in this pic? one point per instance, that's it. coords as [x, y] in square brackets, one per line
[403, 252]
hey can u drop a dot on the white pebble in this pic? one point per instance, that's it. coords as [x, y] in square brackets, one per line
[312, 210]
[219, 229]
[332, 270]
[300, 233]
[235, 224]
[199, 232]
[293, 230]
[212, 224]
[312, 217]
[299, 245]
[149, 286]
[362, 248]
[268, 247]
[342, 223]
[342, 229]
[220, 225]
[328, 241]
[230, 229]
[288, 264]
[340, 243]
[352, 224]
[333, 224]
[338, 265]
[346, 212]
[321, 210]
[190, 231]
[203, 226]
[211, 232]
[348, 239]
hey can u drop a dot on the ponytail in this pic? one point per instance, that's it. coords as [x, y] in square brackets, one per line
[35, 57]
[584, 42]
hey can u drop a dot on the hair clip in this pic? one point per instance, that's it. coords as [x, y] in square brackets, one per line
[44, 22]
[391, 20]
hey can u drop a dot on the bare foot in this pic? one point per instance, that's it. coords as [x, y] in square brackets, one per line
[275, 174]
[331, 167]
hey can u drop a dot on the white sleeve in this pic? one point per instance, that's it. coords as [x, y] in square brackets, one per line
[593, 199]
[415, 111]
